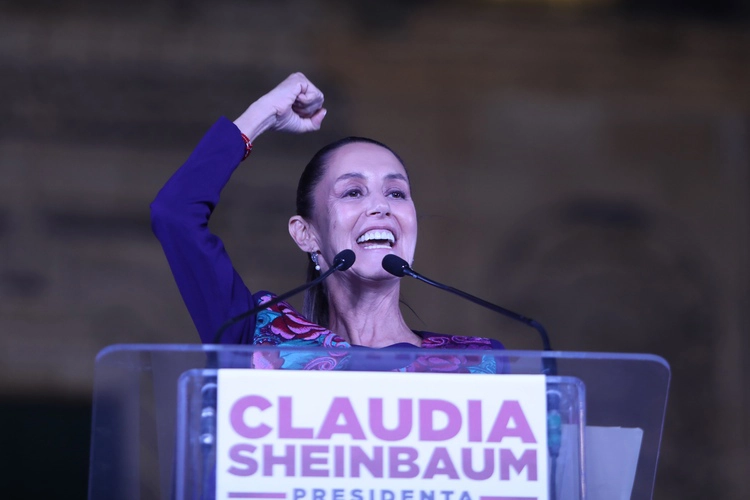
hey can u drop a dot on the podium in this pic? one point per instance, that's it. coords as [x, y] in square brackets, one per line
[154, 422]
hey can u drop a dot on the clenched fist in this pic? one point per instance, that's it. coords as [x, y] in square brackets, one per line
[295, 105]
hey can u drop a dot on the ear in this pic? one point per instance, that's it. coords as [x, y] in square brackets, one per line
[303, 234]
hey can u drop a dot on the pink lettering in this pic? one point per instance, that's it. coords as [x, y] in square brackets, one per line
[237, 417]
[427, 409]
[309, 460]
[286, 428]
[468, 468]
[403, 428]
[338, 461]
[440, 463]
[286, 460]
[475, 421]
[373, 464]
[511, 411]
[240, 453]
[401, 462]
[527, 461]
[341, 408]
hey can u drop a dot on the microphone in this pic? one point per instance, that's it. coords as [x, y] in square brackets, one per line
[399, 267]
[341, 262]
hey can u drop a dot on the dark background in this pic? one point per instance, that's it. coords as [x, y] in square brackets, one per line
[584, 162]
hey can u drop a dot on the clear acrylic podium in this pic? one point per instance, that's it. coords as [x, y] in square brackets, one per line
[153, 428]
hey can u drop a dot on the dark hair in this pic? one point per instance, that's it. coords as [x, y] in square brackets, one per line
[315, 306]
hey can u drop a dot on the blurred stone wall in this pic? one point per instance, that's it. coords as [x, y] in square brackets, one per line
[586, 168]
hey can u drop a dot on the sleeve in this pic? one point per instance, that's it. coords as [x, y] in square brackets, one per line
[211, 288]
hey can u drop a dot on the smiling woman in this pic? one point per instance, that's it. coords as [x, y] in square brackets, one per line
[353, 194]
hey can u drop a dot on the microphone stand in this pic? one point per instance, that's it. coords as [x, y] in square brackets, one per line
[489, 305]
[399, 267]
[343, 261]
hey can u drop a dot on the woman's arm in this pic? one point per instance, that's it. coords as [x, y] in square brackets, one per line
[211, 288]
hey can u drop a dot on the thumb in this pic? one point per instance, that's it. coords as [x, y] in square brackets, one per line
[317, 118]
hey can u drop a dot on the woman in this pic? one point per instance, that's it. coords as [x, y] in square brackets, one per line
[354, 194]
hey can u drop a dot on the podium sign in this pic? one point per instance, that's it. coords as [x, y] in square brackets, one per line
[157, 409]
[377, 436]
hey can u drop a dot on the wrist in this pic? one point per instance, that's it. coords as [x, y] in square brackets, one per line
[248, 145]
[255, 120]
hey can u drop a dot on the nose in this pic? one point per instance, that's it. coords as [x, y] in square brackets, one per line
[380, 207]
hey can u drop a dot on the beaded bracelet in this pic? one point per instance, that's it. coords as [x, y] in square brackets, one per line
[248, 146]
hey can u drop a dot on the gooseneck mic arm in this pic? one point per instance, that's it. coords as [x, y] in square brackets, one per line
[343, 261]
[399, 267]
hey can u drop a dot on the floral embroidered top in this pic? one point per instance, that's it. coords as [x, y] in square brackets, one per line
[213, 291]
[282, 325]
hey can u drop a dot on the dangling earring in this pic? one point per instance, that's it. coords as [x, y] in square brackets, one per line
[314, 257]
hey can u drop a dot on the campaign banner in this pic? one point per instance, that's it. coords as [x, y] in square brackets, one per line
[317, 435]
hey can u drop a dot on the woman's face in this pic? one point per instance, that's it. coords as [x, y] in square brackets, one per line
[363, 202]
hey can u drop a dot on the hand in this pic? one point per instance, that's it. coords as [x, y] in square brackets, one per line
[295, 105]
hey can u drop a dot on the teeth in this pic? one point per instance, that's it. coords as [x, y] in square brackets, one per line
[378, 234]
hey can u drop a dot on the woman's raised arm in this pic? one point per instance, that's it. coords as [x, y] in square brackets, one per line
[211, 288]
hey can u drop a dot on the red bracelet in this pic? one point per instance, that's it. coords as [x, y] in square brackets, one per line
[248, 146]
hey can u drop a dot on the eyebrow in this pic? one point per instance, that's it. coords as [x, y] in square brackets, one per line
[357, 175]
[397, 176]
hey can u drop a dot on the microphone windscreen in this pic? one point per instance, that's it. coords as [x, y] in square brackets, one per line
[395, 265]
[344, 259]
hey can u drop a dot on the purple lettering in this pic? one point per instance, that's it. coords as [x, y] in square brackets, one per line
[338, 461]
[237, 417]
[239, 453]
[527, 461]
[427, 409]
[269, 460]
[397, 460]
[308, 460]
[467, 464]
[511, 410]
[341, 407]
[475, 421]
[359, 458]
[403, 428]
[440, 456]
[286, 428]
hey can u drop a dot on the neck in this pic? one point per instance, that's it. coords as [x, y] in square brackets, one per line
[368, 314]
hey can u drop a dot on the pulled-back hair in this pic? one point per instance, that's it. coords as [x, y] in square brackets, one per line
[315, 306]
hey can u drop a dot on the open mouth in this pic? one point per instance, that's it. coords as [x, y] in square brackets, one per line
[377, 238]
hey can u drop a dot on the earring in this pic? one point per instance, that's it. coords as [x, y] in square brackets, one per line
[314, 257]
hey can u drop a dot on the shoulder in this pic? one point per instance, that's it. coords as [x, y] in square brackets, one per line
[281, 323]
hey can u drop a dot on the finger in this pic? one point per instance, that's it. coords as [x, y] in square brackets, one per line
[310, 124]
[317, 119]
[307, 110]
[308, 91]
[310, 100]
[295, 87]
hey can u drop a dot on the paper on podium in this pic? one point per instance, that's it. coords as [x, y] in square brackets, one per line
[611, 455]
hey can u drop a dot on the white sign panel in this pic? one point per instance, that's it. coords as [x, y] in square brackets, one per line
[316, 435]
